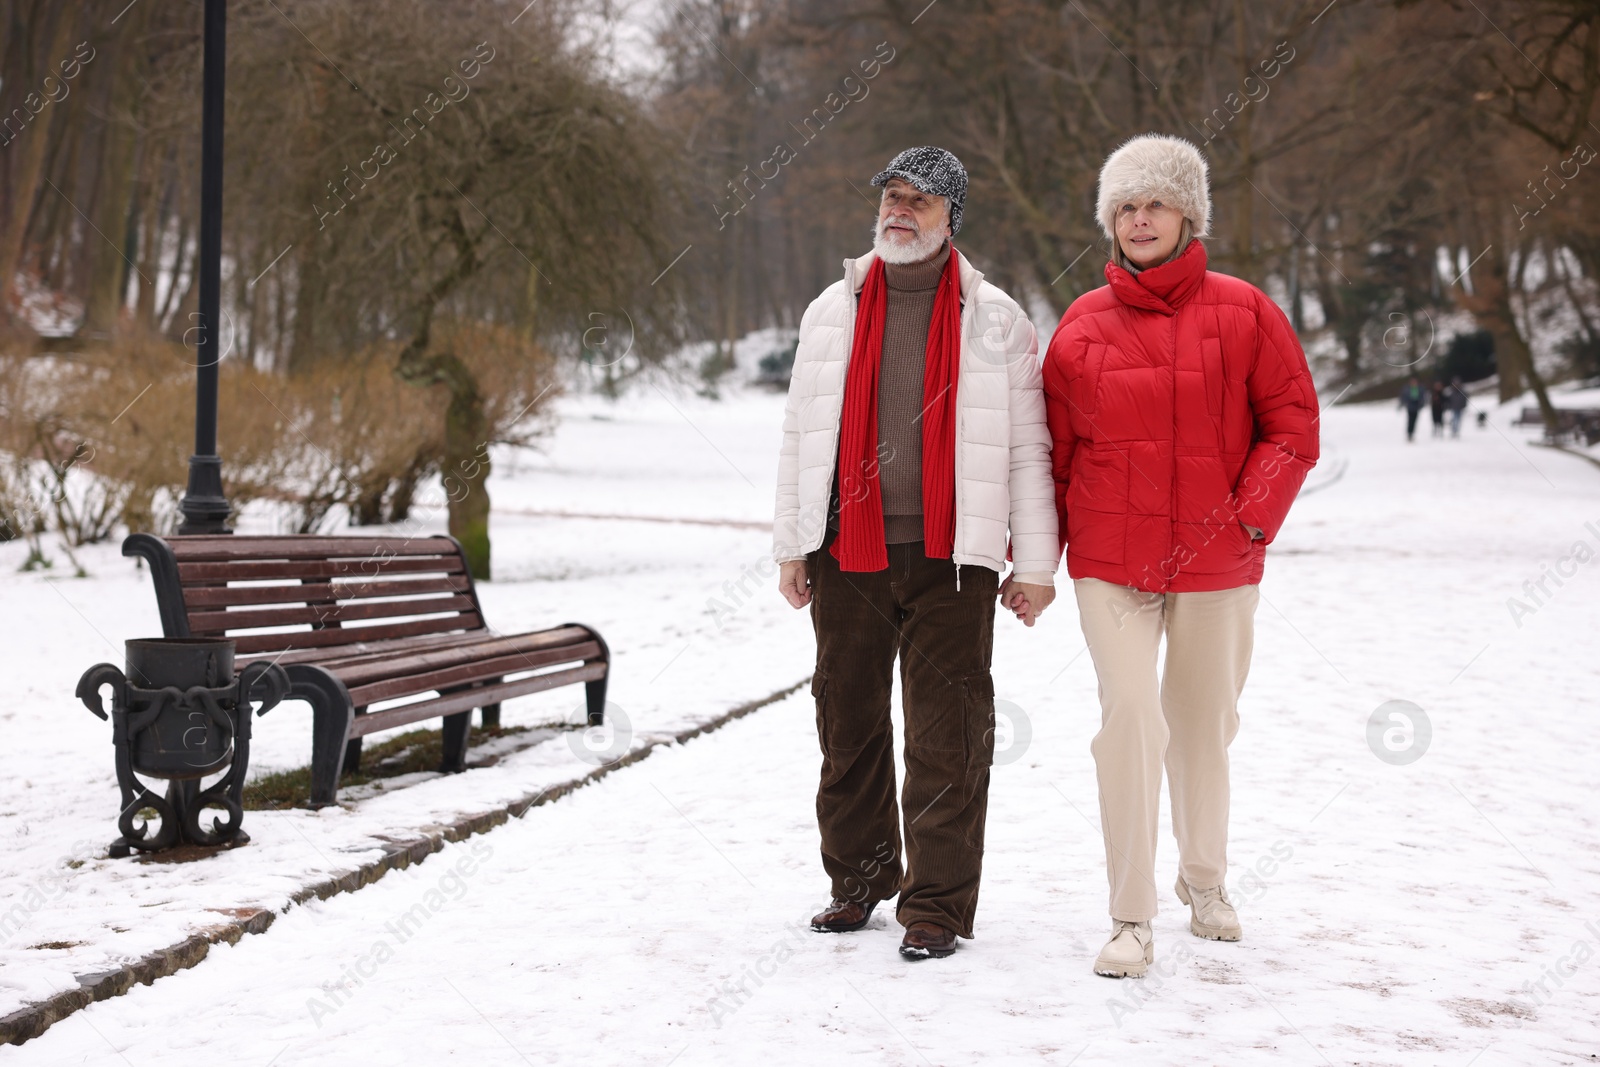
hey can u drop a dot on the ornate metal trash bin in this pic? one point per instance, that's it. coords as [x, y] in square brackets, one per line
[180, 713]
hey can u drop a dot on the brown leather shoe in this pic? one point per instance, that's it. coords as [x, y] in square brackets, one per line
[842, 917]
[924, 940]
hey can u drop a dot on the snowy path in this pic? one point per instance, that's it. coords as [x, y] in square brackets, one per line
[1398, 914]
[677, 664]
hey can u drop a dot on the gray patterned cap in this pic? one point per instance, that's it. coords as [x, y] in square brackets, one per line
[934, 171]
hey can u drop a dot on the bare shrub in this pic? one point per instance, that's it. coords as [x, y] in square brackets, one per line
[101, 440]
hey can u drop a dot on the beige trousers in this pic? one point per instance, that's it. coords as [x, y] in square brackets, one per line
[1186, 719]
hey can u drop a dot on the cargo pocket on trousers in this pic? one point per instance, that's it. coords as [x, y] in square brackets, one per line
[977, 695]
[819, 693]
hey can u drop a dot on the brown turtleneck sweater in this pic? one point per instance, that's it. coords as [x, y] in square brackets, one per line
[908, 311]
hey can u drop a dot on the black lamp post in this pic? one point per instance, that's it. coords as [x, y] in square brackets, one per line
[205, 508]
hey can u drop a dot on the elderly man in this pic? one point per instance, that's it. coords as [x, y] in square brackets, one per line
[914, 440]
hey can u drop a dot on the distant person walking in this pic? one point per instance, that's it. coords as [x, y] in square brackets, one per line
[1456, 401]
[1412, 397]
[1436, 406]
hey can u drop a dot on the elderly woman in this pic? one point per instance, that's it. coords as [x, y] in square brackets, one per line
[1184, 421]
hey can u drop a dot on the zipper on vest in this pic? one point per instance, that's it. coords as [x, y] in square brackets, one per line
[958, 577]
[838, 416]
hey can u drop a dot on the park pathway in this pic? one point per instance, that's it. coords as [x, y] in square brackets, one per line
[1423, 912]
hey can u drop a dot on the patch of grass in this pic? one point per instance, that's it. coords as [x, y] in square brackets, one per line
[407, 753]
[56, 944]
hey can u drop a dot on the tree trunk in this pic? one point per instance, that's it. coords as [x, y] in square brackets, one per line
[367, 508]
[1514, 360]
[405, 488]
[465, 459]
[171, 300]
[466, 464]
[253, 321]
[528, 309]
[152, 225]
[730, 323]
[307, 297]
[23, 171]
[50, 224]
[1345, 322]
[1244, 238]
[188, 306]
[108, 264]
[1491, 303]
[1297, 315]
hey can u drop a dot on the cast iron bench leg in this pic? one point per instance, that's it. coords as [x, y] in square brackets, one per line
[595, 691]
[352, 751]
[455, 729]
[490, 716]
[331, 717]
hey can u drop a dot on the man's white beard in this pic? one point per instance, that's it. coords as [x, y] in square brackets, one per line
[898, 250]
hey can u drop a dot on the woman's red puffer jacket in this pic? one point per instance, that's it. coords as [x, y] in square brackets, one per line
[1182, 411]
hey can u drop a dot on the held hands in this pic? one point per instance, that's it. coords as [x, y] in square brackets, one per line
[794, 583]
[1024, 600]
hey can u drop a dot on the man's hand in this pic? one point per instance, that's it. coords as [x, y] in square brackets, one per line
[794, 584]
[1025, 600]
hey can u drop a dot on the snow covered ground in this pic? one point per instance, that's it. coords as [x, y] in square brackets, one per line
[1441, 911]
[645, 585]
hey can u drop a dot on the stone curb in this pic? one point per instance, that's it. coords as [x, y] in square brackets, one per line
[34, 1019]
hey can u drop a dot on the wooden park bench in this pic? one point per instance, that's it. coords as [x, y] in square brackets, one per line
[359, 621]
[1529, 417]
[1580, 425]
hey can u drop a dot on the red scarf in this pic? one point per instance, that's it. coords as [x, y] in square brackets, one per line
[860, 544]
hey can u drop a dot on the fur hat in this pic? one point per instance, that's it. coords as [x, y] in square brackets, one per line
[1154, 166]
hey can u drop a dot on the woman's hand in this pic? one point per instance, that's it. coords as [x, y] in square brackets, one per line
[1024, 599]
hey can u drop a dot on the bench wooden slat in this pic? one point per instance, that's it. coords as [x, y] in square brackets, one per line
[295, 639]
[237, 548]
[206, 622]
[477, 670]
[370, 667]
[357, 650]
[222, 596]
[454, 583]
[261, 570]
[388, 718]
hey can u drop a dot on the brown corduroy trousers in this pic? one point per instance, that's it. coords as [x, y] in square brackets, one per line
[944, 639]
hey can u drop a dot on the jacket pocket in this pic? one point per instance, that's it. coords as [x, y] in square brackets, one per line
[1088, 398]
[1211, 365]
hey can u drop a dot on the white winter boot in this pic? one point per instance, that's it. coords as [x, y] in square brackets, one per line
[1129, 953]
[1210, 914]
